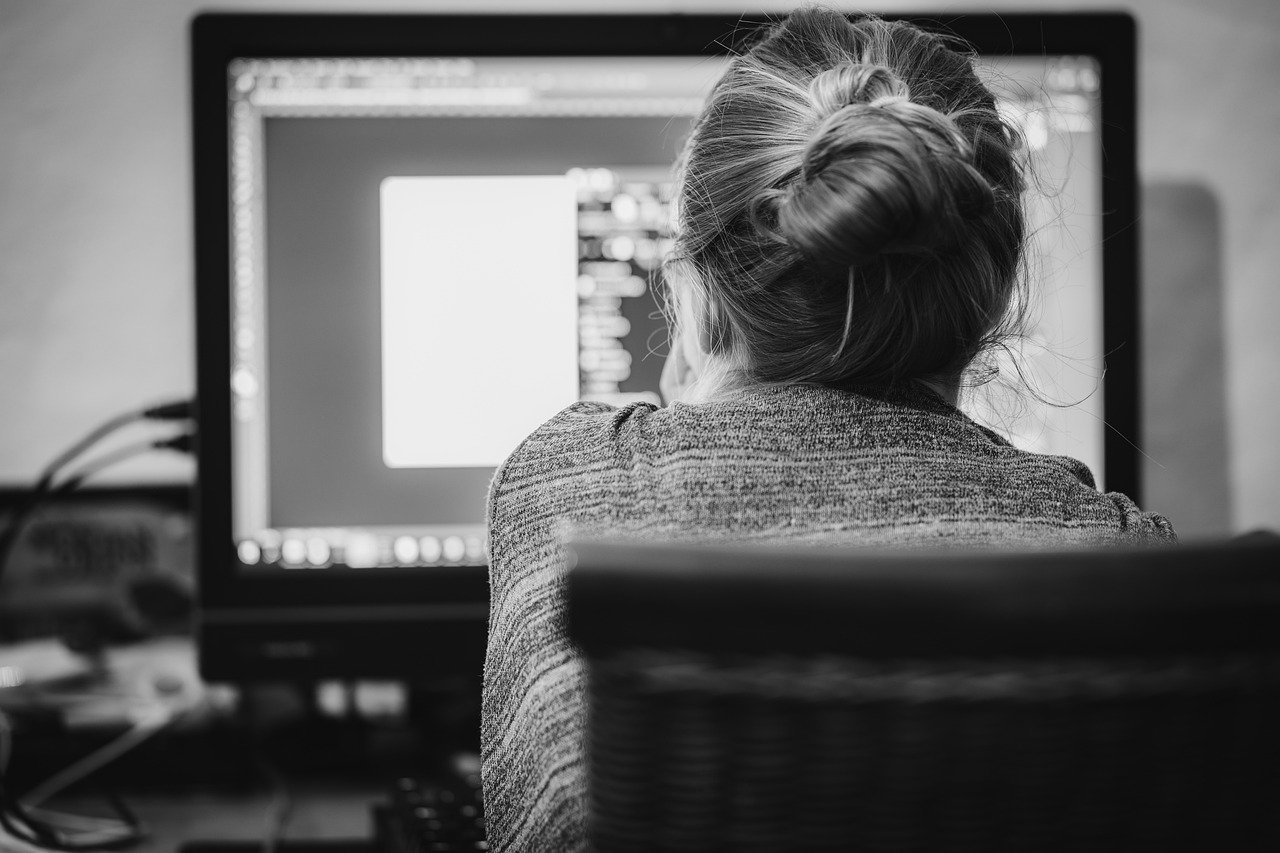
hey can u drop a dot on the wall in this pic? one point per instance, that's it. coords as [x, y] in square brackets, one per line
[95, 230]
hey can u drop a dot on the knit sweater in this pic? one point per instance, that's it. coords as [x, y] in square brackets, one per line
[811, 465]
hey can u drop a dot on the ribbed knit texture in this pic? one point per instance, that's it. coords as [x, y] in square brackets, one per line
[811, 465]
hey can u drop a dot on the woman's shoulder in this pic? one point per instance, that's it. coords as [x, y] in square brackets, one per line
[828, 441]
[1139, 526]
[580, 445]
[1052, 492]
[971, 474]
[578, 434]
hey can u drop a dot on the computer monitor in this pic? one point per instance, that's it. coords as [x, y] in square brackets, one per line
[418, 237]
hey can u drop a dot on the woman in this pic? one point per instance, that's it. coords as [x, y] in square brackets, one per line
[849, 240]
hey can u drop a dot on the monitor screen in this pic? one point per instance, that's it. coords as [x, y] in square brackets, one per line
[432, 256]
[420, 236]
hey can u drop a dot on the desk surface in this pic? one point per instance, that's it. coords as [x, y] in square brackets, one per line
[328, 812]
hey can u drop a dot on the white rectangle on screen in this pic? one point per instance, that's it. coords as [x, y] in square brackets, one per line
[479, 315]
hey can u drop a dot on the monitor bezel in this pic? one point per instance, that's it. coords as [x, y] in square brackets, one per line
[234, 601]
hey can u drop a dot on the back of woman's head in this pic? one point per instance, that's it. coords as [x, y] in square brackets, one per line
[850, 207]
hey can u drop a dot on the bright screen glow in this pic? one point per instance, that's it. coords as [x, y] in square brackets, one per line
[495, 339]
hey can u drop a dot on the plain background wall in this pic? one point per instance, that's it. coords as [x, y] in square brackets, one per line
[95, 229]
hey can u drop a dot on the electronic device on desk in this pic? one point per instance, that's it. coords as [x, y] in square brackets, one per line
[432, 818]
[420, 236]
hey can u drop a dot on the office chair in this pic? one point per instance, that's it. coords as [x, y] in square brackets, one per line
[770, 699]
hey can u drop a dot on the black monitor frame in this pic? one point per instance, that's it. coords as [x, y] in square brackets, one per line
[410, 624]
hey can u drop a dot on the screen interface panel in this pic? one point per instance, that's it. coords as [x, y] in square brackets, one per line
[431, 257]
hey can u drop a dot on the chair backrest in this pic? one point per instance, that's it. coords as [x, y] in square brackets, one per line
[770, 699]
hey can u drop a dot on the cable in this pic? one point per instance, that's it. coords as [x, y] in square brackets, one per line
[24, 820]
[107, 460]
[47, 829]
[75, 822]
[13, 844]
[67, 821]
[173, 410]
[32, 827]
[45, 491]
[20, 826]
[58, 835]
[279, 810]
[24, 826]
[23, 830]
[101, 757]
[95, 435]
[6, 752]
[6, 743]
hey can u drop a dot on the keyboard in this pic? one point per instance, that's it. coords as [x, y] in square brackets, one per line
[430, 817]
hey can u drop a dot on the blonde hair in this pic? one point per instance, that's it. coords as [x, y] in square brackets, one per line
[849, 210]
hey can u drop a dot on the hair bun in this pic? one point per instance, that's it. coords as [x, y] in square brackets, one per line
[856, 83]
[881, 175]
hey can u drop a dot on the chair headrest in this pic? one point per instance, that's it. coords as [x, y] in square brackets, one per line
[1210, 598]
